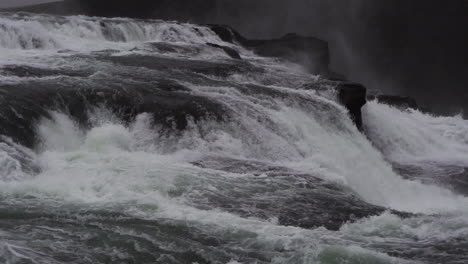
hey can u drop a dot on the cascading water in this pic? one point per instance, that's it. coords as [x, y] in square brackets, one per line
[133, 141]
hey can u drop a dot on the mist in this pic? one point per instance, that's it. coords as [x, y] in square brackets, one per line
[411, 48]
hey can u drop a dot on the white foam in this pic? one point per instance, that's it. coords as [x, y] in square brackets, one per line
[320, 139]
[45, 32]
[316, 137]
[411, 136]
[114, 166]
[392, 229]
[134, 169]
[59, 133]
[11, 157]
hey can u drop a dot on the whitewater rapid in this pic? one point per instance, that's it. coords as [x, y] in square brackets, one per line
[414, 136]
[102, 133]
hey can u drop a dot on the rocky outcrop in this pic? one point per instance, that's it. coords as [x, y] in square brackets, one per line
[229, 51]
[310, 52]
[353, 97]
[171, 105]
[228, 34]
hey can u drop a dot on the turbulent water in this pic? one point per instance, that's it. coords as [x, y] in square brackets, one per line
[134, 141]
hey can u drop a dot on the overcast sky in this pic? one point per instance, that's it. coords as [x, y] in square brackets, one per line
[14, 3]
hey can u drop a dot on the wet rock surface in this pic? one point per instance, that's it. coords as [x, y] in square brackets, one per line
[312, 53]
[353, 97]
[229, 51]
[169, 103]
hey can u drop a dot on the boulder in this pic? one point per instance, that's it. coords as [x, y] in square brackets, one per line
[353, 97]
[228, 34]
[229, 51]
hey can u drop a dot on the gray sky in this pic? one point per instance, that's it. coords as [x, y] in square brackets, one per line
[15, 3]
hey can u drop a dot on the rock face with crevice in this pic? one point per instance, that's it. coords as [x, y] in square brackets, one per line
[353, 97]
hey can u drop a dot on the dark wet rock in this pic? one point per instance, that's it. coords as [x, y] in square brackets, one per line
[228, 34]
[310, 52]
[353, 97]
[229, 51]
[301, 200]
[163, 47]
[169, 103]
[170, 48]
